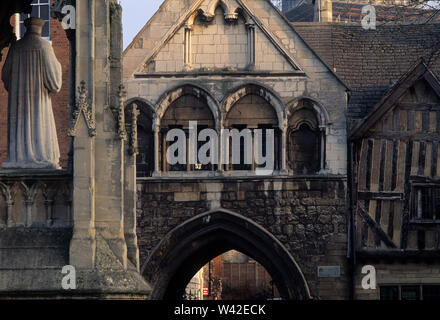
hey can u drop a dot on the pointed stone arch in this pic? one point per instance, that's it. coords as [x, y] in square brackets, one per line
[141, 141]
[307, 129]
[186, 89]
[143, 104]
[185, 249]
[229, 10]
[259, 90]
[321, 112]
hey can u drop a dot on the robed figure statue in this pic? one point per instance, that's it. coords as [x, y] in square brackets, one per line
[31, 72]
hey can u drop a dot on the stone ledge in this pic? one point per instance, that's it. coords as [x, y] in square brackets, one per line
[33, 173]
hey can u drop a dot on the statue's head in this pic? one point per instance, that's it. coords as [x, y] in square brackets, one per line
[34, 25]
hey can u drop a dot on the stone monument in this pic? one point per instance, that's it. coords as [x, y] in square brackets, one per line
[30, 74]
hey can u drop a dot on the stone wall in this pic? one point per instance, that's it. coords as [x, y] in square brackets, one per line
[308, 216]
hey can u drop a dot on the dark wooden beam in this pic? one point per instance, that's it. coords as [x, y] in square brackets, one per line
[398, 255]
[367, 195]
[376, 228]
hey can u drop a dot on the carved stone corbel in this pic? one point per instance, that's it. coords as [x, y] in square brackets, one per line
[82, 108]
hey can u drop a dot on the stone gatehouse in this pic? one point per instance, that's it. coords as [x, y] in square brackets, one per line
[238, 64]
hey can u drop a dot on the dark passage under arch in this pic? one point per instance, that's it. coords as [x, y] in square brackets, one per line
[191, 245]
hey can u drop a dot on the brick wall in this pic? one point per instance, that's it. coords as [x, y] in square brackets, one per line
[60, 101]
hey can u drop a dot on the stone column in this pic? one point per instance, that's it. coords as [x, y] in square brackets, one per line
[103, 192]
[251, 45]
[187, 52]
[83, 243]
[284, 150]
[219, 128]
[322, 158]
[130, 191]
[157, 142]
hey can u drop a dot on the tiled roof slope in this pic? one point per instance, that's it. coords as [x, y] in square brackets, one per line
[302, 13]
[352, 12]
[371, 61]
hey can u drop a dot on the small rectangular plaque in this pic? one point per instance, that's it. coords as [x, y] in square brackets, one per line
[329, 271]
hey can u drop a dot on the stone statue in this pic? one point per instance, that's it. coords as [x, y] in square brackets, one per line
[31, 72]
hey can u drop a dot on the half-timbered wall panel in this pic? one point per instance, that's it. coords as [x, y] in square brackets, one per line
[398, 156]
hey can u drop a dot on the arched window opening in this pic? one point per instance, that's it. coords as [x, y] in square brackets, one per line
[180, 113]
[306, 145]
[250, 113]
[145, 138]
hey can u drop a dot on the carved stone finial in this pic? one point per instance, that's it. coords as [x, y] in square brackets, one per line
[133, 148]
[82, 107]
[121, 113]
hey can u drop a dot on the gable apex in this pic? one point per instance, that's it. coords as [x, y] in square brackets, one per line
[417, 72]
[235, 13]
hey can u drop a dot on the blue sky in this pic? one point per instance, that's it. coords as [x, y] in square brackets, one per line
[135, 15]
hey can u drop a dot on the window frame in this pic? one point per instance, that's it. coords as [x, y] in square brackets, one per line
[417, 216]
[420, 292]
[22, 17]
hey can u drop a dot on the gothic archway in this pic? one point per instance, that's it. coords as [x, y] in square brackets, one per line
[145, 135]
[258, 90]
[189, 246]
[186, 90]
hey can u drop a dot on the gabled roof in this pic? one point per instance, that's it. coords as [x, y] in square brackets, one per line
[195, 8]
[156, 40]
[369, 61]
[417, 72]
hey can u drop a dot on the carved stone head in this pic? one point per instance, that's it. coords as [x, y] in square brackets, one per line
[34, 25]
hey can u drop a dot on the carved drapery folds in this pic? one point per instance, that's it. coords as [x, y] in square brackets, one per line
[82, 108]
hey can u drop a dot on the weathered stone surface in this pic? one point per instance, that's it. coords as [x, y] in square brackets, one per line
[306, 230]
[33, 141]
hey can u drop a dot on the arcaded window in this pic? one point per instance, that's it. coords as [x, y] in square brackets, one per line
[145, 137]
[250, 113]
[178, 116]
[306, 141]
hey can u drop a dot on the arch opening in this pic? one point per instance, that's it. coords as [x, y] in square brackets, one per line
[187, 248]
[145, 136]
